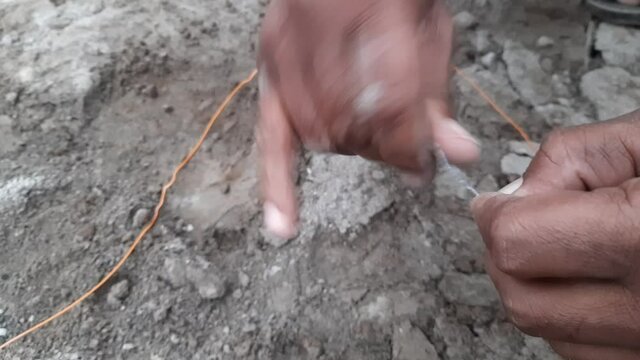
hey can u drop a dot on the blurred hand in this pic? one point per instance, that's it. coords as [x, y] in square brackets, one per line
[357, 77]
[564, 249]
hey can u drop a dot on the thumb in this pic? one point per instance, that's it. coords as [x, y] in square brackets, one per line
[276, 142]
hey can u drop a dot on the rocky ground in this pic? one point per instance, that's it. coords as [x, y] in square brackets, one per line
[99, 99]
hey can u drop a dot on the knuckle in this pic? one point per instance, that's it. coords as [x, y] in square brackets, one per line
[521, 314]
[554, 142]
[501, 234]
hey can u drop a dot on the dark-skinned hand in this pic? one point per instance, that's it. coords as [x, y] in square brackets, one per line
[564, 249]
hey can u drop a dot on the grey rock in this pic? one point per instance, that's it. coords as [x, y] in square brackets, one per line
[175, 272]
[340, 192]
[464, 20]
[523, 66]
[613, 91]
[502, 339]
[410, 343]
[118, 292]
[11, 98]
[547, 64]
[558, 115]
[128, 347]
[140, 218]
[473, 290]
[244, 279]
[545, 41]
[3, 332]
[448, 184]
[209, 284]
[483, 41]
[620, 45]
[513, 164]
[489, 59]
[457, 338]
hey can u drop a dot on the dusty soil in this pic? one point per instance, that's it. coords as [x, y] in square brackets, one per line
[100, 99]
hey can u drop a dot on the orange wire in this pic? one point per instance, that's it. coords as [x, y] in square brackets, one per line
[152, 222]
[194, 150]
[495, 106]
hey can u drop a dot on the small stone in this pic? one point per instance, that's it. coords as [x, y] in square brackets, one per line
[128, 347]
[619, 45]
[93, 344]
[175, 272]
[3, 332]
[378, 175]
[472, 290]
[209, 285]
[140, 218]
[11, 98]
[489, 59]
[547, 65]
[513, 164]
[161, 314]
[526, 73]
[226, 348]
[237, 294]
[464, 20]
[545, 41]
[118, 292]
[410, 343]
[175, 339]
[243, 279]
[249, 328]
[483, 41]
[168, 109]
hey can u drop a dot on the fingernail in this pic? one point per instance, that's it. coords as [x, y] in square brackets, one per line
[412, 180]
[512, 188]
[277, 223]
[458, 131]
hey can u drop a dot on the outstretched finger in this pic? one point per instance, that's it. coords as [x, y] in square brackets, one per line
[277, 144]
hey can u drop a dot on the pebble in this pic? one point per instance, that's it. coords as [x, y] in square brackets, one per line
[410, 343]
[514, 164]
[243, 279]
[174, 272]
[168, 109]
[11, 98]
[545, 41]
[464, 20]
[472, 290]
[226, 348]
[210, 286]
[3, 332]
[237, 294]
[118, 292]
[489, 59]
[140, 218]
